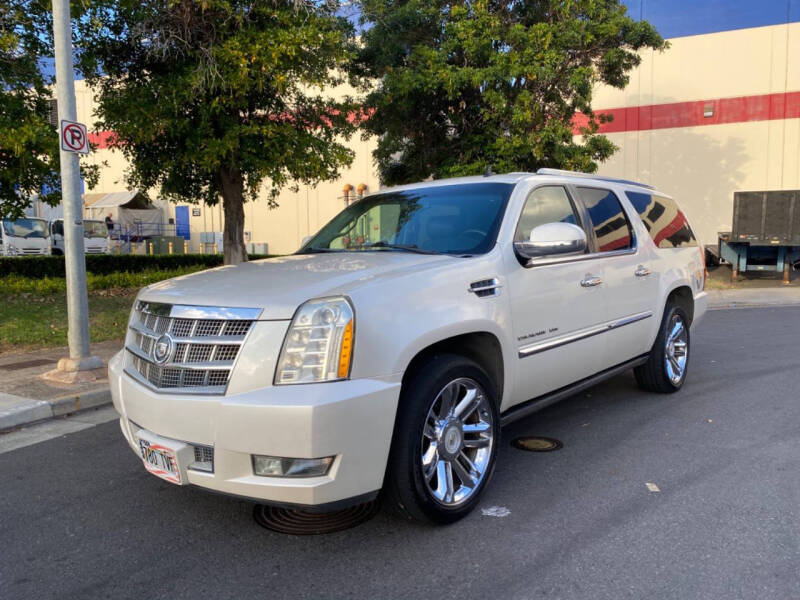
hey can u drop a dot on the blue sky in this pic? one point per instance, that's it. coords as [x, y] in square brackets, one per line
[678, 18]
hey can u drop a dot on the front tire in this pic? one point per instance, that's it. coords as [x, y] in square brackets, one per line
[665, 369]
[445, 442]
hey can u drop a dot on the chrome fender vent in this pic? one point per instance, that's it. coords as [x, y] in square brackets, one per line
[485, 287]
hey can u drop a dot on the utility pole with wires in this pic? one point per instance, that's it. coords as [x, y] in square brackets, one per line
[80, 365]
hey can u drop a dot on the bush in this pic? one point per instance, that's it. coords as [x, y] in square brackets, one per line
[38, 267]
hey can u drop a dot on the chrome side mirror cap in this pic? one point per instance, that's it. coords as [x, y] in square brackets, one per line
[553, 239]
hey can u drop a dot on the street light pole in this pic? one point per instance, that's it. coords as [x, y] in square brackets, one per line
[80, 358]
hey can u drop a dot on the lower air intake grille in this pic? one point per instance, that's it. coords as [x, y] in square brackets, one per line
[203, 459]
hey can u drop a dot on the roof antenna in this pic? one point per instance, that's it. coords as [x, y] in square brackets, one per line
[488, 172]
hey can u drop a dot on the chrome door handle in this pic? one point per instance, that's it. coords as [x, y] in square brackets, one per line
[591, 281]
[642, 271]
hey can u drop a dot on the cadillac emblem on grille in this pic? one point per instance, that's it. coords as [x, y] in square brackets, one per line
[162, 349]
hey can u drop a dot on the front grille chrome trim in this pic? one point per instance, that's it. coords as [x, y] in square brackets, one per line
[188, 311]
[198, 346]
[215, 340]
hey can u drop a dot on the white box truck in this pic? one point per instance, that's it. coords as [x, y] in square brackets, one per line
[24, 237]
[95, 237]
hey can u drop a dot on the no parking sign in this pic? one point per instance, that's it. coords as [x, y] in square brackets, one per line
[74, 137]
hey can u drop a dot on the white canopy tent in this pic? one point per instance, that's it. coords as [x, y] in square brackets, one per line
[128, 209]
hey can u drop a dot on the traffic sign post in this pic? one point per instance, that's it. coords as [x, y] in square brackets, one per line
[80, 365]
[74, 137]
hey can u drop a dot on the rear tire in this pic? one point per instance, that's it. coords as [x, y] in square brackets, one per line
[445, 442]
[665, 369]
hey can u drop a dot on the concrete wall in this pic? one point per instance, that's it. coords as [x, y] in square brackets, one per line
[703, 164]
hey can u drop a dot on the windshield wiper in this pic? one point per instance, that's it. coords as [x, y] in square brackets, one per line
[405, 247]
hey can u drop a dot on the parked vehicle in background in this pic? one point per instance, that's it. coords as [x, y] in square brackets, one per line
[24, 237]
[389, 350]
[95, 237]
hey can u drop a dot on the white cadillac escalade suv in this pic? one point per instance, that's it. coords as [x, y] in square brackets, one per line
[387, 353]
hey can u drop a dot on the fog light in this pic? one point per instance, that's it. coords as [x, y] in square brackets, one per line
[275, 466]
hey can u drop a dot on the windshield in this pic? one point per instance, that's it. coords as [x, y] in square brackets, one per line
[25, 228]
[446, 219]
[95, 229]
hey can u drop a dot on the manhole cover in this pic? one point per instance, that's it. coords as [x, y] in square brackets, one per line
[300, 522]
[27, 364]
[537, 444]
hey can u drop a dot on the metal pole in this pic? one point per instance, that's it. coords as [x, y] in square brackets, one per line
[77, 297]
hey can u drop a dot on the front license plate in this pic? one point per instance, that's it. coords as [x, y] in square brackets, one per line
[160, 461]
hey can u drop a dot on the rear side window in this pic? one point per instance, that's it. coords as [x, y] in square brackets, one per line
[663, 219]
[547, 204]
[611, 226]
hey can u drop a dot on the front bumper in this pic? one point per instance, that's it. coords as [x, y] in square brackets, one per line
[351, 420]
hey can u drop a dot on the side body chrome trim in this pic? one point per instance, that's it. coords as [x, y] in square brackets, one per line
[538, 347]
[542, 262]
[187, 311]
[531, 406]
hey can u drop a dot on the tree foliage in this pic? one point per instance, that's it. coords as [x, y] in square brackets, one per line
[28, 143]
[468, 84]
[29, 147]
[219, 98]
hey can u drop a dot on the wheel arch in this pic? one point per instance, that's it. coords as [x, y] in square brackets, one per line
[681, 294]
[483, 347]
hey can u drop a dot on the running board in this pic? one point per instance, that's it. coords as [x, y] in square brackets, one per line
[531, 406]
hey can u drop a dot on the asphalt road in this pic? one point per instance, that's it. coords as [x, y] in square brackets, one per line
[80, 518]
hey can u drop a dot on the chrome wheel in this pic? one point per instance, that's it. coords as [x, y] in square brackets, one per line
[677, 350]
[457, 442]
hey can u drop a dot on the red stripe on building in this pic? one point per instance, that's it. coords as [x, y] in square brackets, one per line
[102, 139]
[765, 107]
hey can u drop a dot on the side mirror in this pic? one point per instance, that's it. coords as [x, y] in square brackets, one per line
[305, 240]
[553, 239]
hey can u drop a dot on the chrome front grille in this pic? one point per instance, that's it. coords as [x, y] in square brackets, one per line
[186, 349]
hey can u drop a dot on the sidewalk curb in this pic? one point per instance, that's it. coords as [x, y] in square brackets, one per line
[734, 305]
[27, 411]
[753, 298]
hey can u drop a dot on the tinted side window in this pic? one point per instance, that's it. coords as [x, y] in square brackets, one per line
[611, 226]
[548, 204]
[664, 220]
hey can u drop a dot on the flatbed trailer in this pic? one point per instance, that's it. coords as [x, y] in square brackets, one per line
[765, 234]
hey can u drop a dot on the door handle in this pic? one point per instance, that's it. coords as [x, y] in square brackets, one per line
[591, 281]
[642, 271]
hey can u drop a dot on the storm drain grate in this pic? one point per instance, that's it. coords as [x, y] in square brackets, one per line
[27, 364]
[300, 522]
[537, 444]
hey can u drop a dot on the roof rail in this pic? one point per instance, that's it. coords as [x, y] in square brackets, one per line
[544, 171]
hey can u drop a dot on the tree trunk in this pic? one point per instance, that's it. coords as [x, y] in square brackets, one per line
[233, 206]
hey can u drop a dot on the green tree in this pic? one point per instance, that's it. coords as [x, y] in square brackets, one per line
[220, 98]
[28, 143]
[460, 86]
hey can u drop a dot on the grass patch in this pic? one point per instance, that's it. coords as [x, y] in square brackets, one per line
[33, 312]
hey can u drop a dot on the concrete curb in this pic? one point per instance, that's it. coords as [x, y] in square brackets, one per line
[753, 298]
[16, 411]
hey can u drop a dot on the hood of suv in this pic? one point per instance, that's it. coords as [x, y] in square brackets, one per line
[280, 285]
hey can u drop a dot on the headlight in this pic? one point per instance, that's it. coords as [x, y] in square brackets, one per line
[319, 343]
[13, 250]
